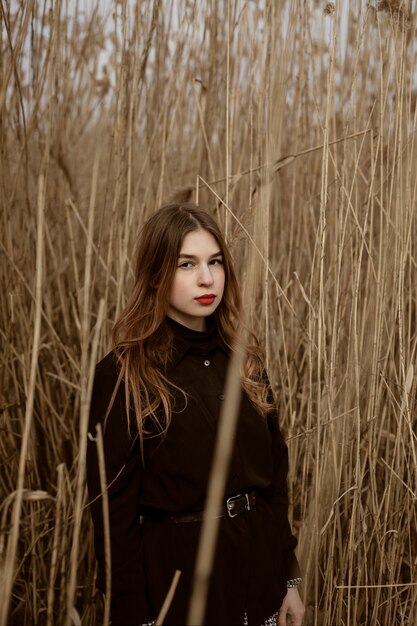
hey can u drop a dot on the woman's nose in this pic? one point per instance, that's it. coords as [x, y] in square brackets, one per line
[205, 276]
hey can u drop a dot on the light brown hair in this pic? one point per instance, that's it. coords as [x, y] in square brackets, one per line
[142, 339]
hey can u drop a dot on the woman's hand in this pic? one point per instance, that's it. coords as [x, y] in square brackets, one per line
[293, 608]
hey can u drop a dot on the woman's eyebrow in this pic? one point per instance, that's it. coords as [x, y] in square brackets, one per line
[193, 257]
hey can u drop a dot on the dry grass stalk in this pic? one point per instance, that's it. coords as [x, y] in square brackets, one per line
[216, 489]
[169, 597]
[9, 558]
[106, 525]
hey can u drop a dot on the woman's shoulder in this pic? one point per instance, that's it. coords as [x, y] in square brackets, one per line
[106, 377]
[107, 367]
[107, 395]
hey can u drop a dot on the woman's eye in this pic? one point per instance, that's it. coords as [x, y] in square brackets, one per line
[185, 264]
[216, 262]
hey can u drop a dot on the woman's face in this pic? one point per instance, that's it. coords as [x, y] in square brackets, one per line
[198, 283]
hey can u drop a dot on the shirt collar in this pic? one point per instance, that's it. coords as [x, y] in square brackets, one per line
[187, 340]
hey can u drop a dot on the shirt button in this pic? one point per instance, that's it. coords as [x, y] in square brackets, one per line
[221, 397]
[206, 362]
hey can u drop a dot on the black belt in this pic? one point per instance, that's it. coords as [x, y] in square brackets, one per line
[234, 506]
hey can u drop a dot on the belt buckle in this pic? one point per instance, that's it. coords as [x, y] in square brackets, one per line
[232, 499]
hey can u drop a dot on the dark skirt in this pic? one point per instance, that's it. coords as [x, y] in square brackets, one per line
[270, 621]
[248, 580]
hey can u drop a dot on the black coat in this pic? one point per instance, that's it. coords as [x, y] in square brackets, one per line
[255, 551]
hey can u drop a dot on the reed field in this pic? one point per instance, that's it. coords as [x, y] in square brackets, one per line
[295, 123]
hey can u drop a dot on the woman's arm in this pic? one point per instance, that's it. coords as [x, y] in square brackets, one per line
[292, 609]
[129, 605]
[278, 498]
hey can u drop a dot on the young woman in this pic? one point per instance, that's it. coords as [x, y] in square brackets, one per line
[158, 396]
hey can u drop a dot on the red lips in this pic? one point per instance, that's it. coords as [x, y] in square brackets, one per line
[206, 299]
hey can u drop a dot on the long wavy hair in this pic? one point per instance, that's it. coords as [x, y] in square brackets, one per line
[142, 339]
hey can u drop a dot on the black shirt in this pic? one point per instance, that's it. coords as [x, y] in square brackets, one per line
[255, 552]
